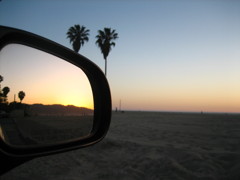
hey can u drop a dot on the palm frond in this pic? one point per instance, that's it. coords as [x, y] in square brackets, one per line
[78, 35]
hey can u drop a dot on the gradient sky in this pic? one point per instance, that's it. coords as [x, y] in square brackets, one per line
[34, 72]
[170, 56]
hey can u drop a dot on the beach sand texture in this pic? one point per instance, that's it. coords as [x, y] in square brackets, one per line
[149, 145]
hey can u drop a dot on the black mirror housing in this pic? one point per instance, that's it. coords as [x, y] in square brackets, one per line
[100, 90]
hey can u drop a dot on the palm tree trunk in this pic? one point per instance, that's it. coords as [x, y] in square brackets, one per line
[106, 67]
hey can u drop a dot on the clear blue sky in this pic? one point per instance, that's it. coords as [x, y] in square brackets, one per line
[170, 55]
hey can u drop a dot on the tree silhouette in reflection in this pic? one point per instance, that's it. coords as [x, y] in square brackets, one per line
[4, 96]
[1, 95]
[21, 95]
[5, 91]
[1, 79]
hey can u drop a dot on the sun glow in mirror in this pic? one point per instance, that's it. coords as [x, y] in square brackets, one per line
[44, 99]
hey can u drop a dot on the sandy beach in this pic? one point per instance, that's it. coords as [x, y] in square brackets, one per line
[149, 145]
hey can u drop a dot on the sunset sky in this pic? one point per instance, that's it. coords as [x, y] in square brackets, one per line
[171, 55]
[44, 78]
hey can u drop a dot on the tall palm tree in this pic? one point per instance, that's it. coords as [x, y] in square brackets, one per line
[78, 35]
[21, 95]
[104, 41]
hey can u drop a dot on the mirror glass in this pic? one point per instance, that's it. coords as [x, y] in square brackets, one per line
[44, 100]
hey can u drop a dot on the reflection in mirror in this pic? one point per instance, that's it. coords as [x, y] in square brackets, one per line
[44, 100]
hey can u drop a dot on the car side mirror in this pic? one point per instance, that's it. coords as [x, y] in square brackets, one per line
[54, 99]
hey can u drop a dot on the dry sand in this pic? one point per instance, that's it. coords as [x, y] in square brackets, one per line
[143, 145]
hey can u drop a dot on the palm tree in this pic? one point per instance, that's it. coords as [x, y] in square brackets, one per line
[5, 90]
[78, 35]
[21, 95]
[104, 41]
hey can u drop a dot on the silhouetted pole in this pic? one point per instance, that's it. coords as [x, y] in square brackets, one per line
[120, 104]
